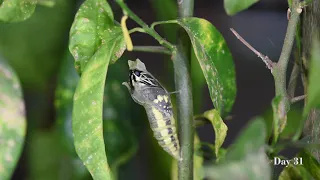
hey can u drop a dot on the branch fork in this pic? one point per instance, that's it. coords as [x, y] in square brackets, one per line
[264, 58]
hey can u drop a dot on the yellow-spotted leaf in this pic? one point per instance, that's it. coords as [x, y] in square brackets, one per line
[12, 120]
[220, 128]
[16, 10]
[215, 60]
[232, 7]
[88, 110]
[92, 28]
[119, 137]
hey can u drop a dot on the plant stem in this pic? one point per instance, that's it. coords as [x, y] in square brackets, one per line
[182, 63]
[152, 49]
[280, 70]
[147, 29]
[184, 113]
[185, 8]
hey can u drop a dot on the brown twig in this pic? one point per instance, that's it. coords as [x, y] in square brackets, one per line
[298, 98]
[264, 58]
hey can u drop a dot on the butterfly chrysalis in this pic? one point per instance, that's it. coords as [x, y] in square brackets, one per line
[148, 92]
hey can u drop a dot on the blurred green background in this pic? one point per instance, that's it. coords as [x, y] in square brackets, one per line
[37, 50]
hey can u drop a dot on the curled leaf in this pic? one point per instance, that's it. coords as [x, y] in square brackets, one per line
[220, 128]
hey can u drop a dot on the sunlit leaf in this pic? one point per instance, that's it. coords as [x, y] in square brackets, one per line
[314, 76]
[220, 128]
[250, 140]
[87, 110]
[232, 7]
[310, 164]
[12, 120]
[246, 159]
[92, 28]
[16, 10]
[215, 60]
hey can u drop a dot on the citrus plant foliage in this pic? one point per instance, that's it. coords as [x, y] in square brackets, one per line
[98, 123]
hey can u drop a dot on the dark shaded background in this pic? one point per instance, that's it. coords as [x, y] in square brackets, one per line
[263, 25]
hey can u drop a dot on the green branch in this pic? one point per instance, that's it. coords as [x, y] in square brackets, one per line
[182, 63]
[280, 69]
[152, 49]
[146, 28]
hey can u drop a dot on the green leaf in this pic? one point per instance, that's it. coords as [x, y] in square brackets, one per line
[294, 117]
[16, 10]
[232, 7]
[279, 116]
[87, 110]
[314, 76]
[246, 158]
[252, 166]
[293, 122]
[87, 115]
[12, 120]
[220, 128]
[310, 164]
[294, 172]
[119, 138]
[215, 60]
[92, 28]
[250, 140]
